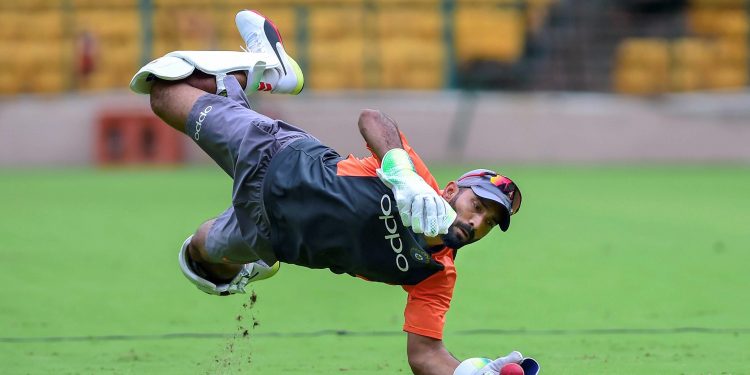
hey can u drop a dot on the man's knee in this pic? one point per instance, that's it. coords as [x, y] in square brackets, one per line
[197, 248]
[158, 97]
[172, 101]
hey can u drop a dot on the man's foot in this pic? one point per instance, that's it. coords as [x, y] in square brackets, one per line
[261, 271]
[261, 36]
[249, 273]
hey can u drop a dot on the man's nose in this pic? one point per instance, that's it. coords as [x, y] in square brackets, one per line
[473, 221]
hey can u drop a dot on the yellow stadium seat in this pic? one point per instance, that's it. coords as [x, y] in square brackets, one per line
[696, 53]
[337, 64]
[728, 76]
[104, 4]
[687, 78]
[733, 22]
[97, 81]
[329, 79]
[638, 81]
[731, 49]
[109, 23]
[194, 31]
[344, 52]
[702, 20]
[117, 57]
[7, 60]
[29, 57]
[34, 5]
[329, 23]
[46, 82]
[642, 66]
[411, 63]
[230, 43]
[489, 33]
[10, 83]
[195, 44]
[416, 21]
[47, 24]
[163, 24]
[652, 53]
[424, 80]
[162, 46]
[718, 18]
[12, 24]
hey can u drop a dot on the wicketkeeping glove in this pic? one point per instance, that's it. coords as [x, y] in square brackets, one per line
[418, 204]
[484, 366]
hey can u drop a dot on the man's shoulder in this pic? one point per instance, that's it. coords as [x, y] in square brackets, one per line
[358, 167]
[422, 169]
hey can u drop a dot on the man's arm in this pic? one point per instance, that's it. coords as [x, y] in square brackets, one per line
[419, 205]
[428, 356]
[379, 131]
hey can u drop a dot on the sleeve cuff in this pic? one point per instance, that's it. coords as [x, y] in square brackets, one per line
[438, 335]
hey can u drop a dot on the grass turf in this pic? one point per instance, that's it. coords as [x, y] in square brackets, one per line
[599, 267]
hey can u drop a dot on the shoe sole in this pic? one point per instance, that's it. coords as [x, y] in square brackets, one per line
[274, 270]
[300, 79]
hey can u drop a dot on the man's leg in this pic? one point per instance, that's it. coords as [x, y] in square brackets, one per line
[265, 63]
[177, 83]
[173, 100]
[263, 37]
[218, 272]
[229, 264]
[210, 258]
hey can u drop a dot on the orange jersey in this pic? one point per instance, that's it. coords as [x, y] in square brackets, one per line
[429, 300]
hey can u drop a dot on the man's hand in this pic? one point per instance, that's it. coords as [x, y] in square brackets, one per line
[418, 204]
[482, 366]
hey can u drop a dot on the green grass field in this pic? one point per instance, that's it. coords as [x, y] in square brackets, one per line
[602, 271]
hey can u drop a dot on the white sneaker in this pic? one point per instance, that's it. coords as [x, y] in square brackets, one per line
[249, 273]
[283, 74]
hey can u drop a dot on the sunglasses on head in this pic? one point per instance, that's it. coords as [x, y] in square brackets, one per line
[505, 185]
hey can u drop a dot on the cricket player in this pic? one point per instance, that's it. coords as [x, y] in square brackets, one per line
[382, 218]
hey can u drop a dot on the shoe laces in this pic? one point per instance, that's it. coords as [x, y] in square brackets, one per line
[253, 43]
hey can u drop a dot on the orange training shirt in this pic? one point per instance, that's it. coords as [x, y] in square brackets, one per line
[428, 301]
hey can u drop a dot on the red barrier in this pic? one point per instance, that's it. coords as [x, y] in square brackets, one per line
[124, 138]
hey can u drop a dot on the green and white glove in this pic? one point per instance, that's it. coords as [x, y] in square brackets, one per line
[418, 204]
[485, 366]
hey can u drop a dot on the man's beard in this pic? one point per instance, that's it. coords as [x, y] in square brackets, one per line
[451, 239]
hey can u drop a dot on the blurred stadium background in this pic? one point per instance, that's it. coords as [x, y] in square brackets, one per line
[627, 80]
[624, 121]
[624, 46]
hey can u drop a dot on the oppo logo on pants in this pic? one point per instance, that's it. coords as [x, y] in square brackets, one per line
[199, 122]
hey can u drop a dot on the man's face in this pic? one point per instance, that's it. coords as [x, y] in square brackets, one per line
[475, 216]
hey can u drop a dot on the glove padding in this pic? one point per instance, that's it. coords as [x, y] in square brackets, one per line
[484, 366]
[418, 204]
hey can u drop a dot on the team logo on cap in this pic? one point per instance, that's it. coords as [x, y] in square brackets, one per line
[505, 184]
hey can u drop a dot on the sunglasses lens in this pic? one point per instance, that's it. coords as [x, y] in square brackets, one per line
[509, 188]
[505, 185]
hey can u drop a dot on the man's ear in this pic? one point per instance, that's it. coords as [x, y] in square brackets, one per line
[450, 191]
